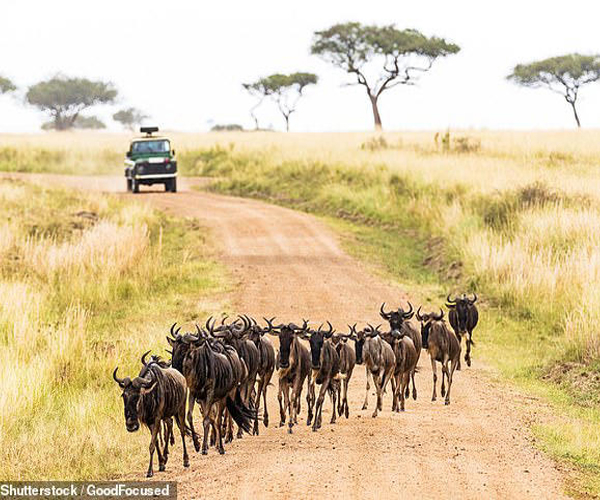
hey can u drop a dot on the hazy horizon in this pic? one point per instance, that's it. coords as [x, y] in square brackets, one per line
[183, 63]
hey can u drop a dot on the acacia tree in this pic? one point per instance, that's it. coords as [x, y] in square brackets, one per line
[6, 85]
[285, 90]
[563, 75]
[258, 90]
[394, 56]
[129, 117]
[65, 98]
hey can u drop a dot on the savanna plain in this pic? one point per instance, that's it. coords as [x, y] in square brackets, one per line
[87, 278]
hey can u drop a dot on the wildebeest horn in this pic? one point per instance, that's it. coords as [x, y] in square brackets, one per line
[352, 328]
[328, 333]
[173, 331]
[382, 312]
[121, 381]
[408, 314]
[225, 316]
[474, 299]
[449, 300]
[144, 357]
[270, 328]
[440, 316]
[419, 317]
[210, 327]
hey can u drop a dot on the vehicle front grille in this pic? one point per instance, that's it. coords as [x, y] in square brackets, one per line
[155, 168]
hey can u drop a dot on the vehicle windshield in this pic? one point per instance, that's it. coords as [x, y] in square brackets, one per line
[158, 146]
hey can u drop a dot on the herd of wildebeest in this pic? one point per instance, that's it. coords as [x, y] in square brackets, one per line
[227, 368]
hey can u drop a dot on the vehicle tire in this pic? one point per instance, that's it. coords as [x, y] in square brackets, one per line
[128, 185]
[135, 187]
[167, 186]
[174, 185]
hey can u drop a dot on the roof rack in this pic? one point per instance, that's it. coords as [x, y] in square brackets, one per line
[148, 130]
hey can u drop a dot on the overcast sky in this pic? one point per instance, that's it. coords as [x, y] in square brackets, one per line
[183, 62]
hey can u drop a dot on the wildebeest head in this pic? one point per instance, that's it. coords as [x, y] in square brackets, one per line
[359, 342]
[181, 344]
[286, 334]
[132, 392]
[315, 340]
[461, 305]
[396, 318]
[426, 319]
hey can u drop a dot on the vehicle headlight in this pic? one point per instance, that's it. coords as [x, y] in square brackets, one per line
[140, 169]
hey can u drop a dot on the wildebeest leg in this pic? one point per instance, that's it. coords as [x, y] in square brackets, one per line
[366, 403]
[405, 384]
[444, 375]
[414, 387]
[319, 405]
[346, 383]
[206, 422]
[168, 427]
[379, 390]
[310, 401]
[451, 374]
[219, 412]
[434, 371]
[180, 420]
[267, 380]
[229, 434]
[154, 430]
[290, 405]
[384, 381]
[190, 419]
[395, 388]
[468, 353]
[258, 395]
[282, 407]
[333, 398]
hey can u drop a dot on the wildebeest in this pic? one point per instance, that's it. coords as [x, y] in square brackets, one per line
[213, 383]
[379, 361]
[399, 320]
[347, 362]
[406, 362]
[463, 317]
[266, 367]
[315, 338]
[293, 365]
[443, 347]
[153, 399]
[248, 353]
[325, 363]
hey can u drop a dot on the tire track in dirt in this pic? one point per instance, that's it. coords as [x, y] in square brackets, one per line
[290, 265]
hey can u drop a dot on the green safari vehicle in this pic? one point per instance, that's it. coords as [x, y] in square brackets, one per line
[150, 160]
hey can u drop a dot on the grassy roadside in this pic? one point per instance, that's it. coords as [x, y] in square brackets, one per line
[397, 222]
[87, 282]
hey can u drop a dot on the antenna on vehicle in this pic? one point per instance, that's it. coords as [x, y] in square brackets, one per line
[148, 130]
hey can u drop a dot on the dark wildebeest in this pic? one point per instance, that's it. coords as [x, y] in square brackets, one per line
[399, 320]
[151, 400]
[406, 361]
[379, 361]
[248, 352]
[293, 365]
[213, 382]
[315, 342]
[347, 362]
[463, 317]
[325, 364]
[443, 347]
[266, 367]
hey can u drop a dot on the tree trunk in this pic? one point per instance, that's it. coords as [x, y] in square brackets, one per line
[572, 103]
[376, 116]
[287, 122]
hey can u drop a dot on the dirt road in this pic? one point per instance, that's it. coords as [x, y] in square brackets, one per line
[289, 265]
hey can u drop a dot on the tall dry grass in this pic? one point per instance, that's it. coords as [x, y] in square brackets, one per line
[85, 284]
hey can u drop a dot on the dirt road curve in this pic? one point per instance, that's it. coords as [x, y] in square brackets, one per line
[288, 264]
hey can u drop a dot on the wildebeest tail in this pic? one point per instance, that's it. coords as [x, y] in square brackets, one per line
[241, 414]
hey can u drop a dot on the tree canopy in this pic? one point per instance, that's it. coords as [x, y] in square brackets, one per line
[65, 98]
[129, 117]
[6, 85]
[285, 90]
[563, 75]
[398, 55]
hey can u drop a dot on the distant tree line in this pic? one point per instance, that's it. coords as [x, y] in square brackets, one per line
[377, 58]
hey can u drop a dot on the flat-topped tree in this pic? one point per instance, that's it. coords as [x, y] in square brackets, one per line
[380, 57]
[563, 75]
[130, 118]
[285, 90]
[65, 98]
[6, 85]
